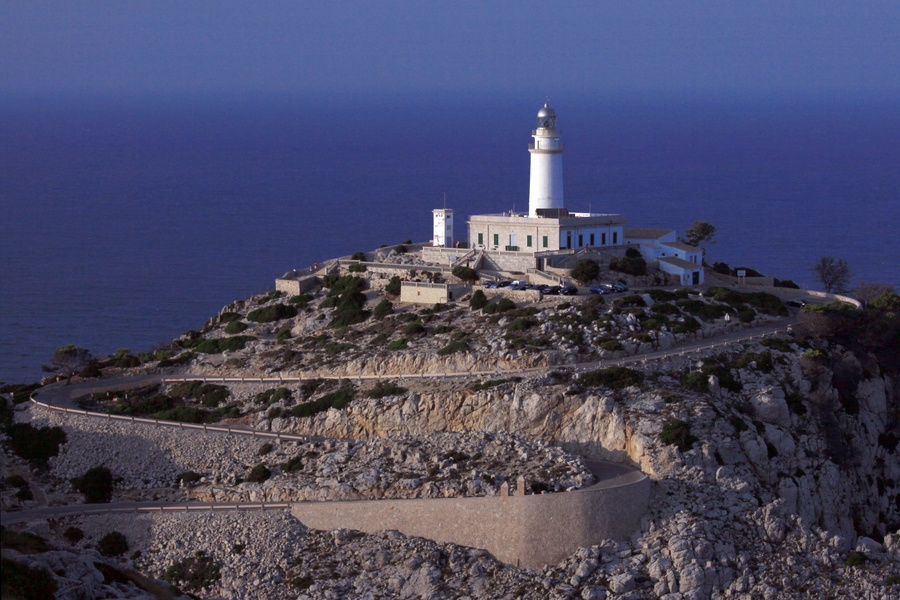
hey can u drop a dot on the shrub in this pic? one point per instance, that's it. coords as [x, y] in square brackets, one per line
[73, 535]
[16, 481]
[235, 327]
[393, 286]
[188, 477]
[337, 347]
[356, 268]
[611, 345]
[386, 388]
[265, 449]
[414, 328]
[383, 309]
[401, 249]
[273, 395]
[856, 559]
[208, 394]
[696, 380]
[186, 414]
[35, 444]
[611, 377]
[677, 433]
[466, 274]
[21, 581]
[194, 573]
[219, 345]
[400, 344]
[301, 300]
[96, 485]
[358, 256]
[259, 473]
[738, 423]
[779, 344]
[630, 300]
[688, 325]
[630, 265]
[585, 270]
[455, 346]
[662, 296]
[665, 308]
[337, 400]
[505, 304]
[275, 312]
[112, 544]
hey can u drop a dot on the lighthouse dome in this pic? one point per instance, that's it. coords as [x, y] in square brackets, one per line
[546, 111]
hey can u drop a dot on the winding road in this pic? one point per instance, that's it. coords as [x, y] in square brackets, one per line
[62, 397]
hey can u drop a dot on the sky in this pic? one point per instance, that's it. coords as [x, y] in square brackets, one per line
[103, 47]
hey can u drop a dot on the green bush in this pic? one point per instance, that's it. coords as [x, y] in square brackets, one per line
[505, 304]
[208, 394]
[273, 395]
[779, 344]
[677, 433]
[611, 345]
[630, 300]
[688, 325]
[630, 265]
[337, 400]
[193, 573]
[35, 444]
[856, 559]
[358, 256]
[414, 328]
[338, 347]
[665, 308]
[188, 477]
[259, 473]
[21, 581]
[186, 414]
[401, 249]
[356, 268]
[25, 542]
[300, 300]
[466, 274]
[219, 345]
[383, 389]
[611, 377]
[73, 535]
[393, 286]
[20, 391]
[662, 296]
[383, 309]
[696, 380]
[96, 485]
[455, 346]
[401, 344]
[235, 327]
[585, 270]
[112, 544]
[275, 312]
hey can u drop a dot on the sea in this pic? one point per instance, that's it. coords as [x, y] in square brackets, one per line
[129, 220]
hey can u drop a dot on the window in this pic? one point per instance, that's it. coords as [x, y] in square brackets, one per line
[480, 239]
[496, 239]
[602, 239]
[546, 242]
[528, 241]
[580, 240]
[615, 237]
[592, 239]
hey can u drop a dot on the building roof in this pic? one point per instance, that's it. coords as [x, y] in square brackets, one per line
[679, 262]
[682, 246]
[646, 233]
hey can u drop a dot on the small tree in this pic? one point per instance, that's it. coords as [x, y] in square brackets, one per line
[393, 286]
[466, 274]
[383, 309]
[113, 543]
[69, 360]
[478, 300]
[96, 485]
[585, 270]
[699, 232]
[866, 292]
[833, 274]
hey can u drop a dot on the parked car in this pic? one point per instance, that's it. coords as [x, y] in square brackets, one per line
[569, 290]
[599, 289]
[518, 284]
[553, 290]
[503, 284]
[619, 286]
[798, 302]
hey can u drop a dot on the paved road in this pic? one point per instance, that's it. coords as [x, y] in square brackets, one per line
[62, 396]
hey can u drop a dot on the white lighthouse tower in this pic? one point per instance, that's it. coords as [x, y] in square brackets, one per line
[546, 189]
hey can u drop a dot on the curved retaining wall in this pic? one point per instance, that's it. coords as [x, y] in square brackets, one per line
[524, 530]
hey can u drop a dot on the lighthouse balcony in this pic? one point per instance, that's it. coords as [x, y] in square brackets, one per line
[539, 148]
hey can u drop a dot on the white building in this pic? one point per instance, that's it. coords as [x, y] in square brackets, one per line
[526, 240]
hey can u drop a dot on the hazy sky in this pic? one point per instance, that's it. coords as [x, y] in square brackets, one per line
[100, 46]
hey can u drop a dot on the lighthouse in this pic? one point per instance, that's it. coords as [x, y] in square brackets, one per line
[546, 189]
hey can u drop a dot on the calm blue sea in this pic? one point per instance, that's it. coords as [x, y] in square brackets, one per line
[126, 222]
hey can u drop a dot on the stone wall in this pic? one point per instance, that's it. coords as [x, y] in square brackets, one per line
[294, 286]
[525, 530]
[431, 293]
